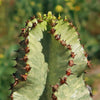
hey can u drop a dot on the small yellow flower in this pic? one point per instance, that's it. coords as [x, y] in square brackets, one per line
[32, 3]
[70, 5]
[1, 56]
[77, 8]
[59, 8]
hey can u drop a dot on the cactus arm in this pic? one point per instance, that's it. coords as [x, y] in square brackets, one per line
[33, 87]
[57, 61]
[75, 90]
[60, 56]
[56, 65]
[69, 34]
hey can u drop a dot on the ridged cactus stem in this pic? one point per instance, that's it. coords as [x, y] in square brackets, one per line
[50, 61]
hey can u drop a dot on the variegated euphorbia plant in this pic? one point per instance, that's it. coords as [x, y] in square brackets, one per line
[50, 61]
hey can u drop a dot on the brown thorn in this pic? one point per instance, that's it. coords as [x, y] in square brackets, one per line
[82, 45]
[52, 31]
[71, 63]
[39, 21]
[54, 97]
[53, 24]
[63, 80]
[15, 83]
[24, 59]
[57, 37]
[69, 47]
[71, 24]
[68, 72]
[34, 25]
[63, 42]
[27, 50]
[86, 55]
[23, 29]
[24, 77]
[11, 96]
[26, 41]
[27, 68]
[89, 64]
[55, 87]
[27, 22]
[73, 55]
[78, 33]
[26, 34]
[32, 18]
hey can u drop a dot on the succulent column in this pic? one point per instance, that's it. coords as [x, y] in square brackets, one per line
[50, 61]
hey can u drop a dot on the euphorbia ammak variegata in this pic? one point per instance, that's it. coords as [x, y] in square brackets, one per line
[50, 61]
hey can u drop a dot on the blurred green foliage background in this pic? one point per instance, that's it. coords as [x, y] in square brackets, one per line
[85, 14]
